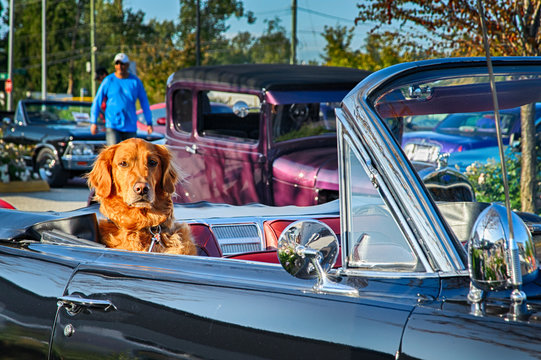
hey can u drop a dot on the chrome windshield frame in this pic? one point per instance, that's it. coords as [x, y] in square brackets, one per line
[420, 218]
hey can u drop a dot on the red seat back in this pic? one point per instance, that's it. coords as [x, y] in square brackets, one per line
[274, 228]
[207, 244]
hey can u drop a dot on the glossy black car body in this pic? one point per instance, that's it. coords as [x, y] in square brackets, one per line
[400, 289]
[56, 136]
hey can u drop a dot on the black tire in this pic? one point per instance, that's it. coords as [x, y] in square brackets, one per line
[49, 168]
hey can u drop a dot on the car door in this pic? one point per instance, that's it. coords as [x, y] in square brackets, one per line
[160, 306]
[32, 278]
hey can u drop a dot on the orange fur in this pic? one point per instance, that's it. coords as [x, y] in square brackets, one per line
[133, 183]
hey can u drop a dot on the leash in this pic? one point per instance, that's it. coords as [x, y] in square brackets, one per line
[156, 237]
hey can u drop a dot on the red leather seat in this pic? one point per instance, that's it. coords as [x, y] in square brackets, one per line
[207, 244]
[274, 228]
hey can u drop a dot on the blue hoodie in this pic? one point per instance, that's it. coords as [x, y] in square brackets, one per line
[120, 96]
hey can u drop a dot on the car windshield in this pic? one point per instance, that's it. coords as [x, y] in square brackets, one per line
[294, 121]
[58, 113]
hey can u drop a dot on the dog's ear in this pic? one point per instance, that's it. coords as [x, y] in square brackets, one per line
[101, 178]
[170, 175]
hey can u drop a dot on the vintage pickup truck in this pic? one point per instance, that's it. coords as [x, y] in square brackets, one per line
[277, 143]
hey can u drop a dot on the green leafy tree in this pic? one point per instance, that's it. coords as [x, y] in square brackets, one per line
[337, 51]
[213, 25]
[273, 46]
[452, 27]
[238, 51]
[378, 50]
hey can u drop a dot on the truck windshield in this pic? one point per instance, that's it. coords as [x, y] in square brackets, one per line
[294, 121]
[57, 113]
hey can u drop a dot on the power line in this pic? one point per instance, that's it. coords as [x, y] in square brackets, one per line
[324, 15]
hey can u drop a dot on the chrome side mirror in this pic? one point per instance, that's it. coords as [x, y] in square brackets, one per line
[488, 252]
[241, 109]
[308, 249]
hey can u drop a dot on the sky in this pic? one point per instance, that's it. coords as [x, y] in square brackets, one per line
[312, 16]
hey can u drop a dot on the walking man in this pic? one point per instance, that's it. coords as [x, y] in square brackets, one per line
[120, 91]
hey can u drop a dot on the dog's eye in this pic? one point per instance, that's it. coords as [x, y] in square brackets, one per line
[152, 163]
[123, 164]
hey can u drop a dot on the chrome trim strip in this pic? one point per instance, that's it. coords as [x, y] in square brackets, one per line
[374, 274]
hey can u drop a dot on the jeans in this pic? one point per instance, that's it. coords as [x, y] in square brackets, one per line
[113, 136]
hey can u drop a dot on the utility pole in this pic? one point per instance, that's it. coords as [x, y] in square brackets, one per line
[10, 55]
[293, 58]
[198, 34]
[92, 49]
[43, 50]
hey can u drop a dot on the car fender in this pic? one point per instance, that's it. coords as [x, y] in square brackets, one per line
[300, 175]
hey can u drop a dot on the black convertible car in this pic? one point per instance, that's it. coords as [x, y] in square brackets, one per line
[384, 272]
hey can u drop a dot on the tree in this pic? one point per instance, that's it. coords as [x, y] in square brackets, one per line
[273, 46]
[379, 51]
[337, 51]
[213, 24]
[452, 27]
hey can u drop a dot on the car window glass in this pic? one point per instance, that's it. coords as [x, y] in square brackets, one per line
[58, 113]
[19, 115]
[294, 121]
[217, 119]
[375, 241]
[182, 110]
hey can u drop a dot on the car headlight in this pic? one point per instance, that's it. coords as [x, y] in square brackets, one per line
[82, 149]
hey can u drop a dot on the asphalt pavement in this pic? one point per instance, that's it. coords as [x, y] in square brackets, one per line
[72, 196]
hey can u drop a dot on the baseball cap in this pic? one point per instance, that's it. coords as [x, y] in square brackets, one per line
[123, 58]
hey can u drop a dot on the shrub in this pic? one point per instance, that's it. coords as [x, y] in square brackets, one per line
[487, 179]
[12, 164]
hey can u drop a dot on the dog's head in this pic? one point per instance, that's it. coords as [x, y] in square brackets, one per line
[135, 170]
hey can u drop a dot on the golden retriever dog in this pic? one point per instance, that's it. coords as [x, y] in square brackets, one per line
[133, 182]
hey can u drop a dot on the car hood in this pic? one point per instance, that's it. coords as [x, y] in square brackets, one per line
[314, 168]
[447, 142]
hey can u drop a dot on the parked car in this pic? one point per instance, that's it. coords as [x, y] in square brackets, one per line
[422, 122]
[278, 144]
[459, 132]
[398, 285]
[57, 138]
[158, 118]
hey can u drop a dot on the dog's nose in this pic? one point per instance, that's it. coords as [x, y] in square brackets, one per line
[140, 188]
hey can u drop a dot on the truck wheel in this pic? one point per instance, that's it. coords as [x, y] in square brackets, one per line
[50, 169]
